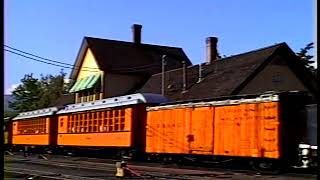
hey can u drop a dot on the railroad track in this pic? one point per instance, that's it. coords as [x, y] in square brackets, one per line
[148, 173]
[146, 170]
[36, 174]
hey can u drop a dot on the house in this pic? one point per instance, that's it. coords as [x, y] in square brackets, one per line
[273, 68]
[107, 68]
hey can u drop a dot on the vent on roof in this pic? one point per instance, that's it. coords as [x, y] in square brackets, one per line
[200, 74]
[211, 49]
[184, 77]
[136, 31]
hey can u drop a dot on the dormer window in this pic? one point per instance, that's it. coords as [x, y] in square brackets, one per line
[87, 88]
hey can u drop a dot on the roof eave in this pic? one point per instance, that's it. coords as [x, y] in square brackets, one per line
[81, 53]
[246, 81]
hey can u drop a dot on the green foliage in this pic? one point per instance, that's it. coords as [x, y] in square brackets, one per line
[305, 57]
[52, 87]
[36, 93]
[9, 114]
[27, 94]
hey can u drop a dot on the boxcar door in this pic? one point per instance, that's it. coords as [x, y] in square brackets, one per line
[248, 130]
[201, 136]
[269, 130]
[225, 131]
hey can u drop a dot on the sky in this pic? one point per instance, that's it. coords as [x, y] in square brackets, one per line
[54, 29]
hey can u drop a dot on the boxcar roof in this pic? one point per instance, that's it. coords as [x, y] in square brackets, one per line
[220, 102]
[36, 113]
[139, 98]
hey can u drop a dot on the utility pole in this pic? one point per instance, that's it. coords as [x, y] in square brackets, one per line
[184, 78]
[200, 73]
[163, 69]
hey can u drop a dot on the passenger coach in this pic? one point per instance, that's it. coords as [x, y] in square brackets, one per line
[116, 125]
[35, 128]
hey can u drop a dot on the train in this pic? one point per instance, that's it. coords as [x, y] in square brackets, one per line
[273, 127]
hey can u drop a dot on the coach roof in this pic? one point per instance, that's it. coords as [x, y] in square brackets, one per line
[37, 113]
[139, 98]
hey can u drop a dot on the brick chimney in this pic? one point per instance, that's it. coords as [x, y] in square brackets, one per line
[211, 49]
[136, 33]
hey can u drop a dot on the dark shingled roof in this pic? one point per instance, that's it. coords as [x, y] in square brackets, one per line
[221, 78]
[65, 99]
[127, 57]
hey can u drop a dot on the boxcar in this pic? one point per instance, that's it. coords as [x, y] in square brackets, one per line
[269, 126]
[311, 116]
[116, 123]
[7, 130]
[35, 128]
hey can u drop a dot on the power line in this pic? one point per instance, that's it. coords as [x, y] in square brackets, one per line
[50, 60]
[127, 69]
[43, 57]
[45, 61]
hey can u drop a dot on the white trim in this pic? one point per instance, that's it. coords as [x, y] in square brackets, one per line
[262, 98]
[36, 113]
[314, 147]
[304, 146]
[114, 102]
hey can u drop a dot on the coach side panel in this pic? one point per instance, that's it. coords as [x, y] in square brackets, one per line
[31, 132]
[103, 128]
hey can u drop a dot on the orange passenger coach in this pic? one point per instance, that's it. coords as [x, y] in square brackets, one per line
[114, 122]
[35, 127]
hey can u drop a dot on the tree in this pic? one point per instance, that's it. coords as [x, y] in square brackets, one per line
[26, 94]
[9, 114]
[36, 93]
[52, 88]
[307, 59]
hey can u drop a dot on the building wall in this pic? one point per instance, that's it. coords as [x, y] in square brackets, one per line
[90, 62]
[119, 84]
[112, 84]
[89, 66]
[277, 76]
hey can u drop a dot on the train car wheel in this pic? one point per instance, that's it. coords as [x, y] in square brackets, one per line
[266, 167]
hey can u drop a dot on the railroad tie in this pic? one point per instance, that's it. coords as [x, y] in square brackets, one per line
[41, 156]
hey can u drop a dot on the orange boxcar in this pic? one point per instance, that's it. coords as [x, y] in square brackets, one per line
[35, 127]
[253, 127]
[249, 130]
[180, 131]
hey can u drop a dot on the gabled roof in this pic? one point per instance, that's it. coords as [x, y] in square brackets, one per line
[127, 57]
[223, 77]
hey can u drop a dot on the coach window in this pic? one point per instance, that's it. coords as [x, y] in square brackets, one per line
[106, 119]
[110, 121]
[89, 121]
[122, 119]
[81, 122]
[116, 120]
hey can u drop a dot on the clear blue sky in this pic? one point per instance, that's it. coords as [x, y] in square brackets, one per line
[55, 28]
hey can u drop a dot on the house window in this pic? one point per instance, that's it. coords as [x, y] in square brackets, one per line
[86, 87]
[87, 95]
[277, 78]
